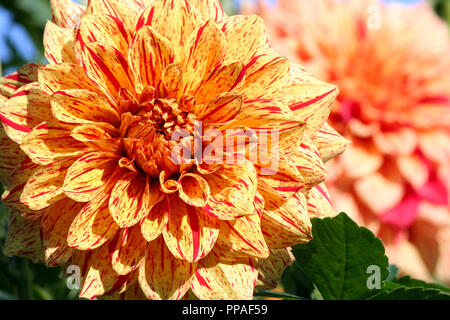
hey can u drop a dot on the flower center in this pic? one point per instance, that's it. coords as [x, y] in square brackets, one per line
[151, 134]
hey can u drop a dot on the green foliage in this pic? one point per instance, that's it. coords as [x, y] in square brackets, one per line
[405, 293]
[296, 281]
[338, 257]
[442, 8]
[409, 282]
[343, 262]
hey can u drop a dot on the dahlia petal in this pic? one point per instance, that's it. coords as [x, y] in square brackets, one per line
[149, 55]
[129, 250]
[361, 129]
[55, 225]
[233, 189]
[129, 202]
[291, 139]
[122, 285]
[247, 32]
[204, 50]
[79, 258]
[310, 100]
[319, 203]
[309, 163]
[107, 67]
[261, 58]
[267, 80]
[209, 9]
[45, 186]
[26, 108]
[271, 269]
[171, 80]
[303, 89]
[133, 293]
[413, 169]
[12, 156]
[399, 142]
[93, 226]
[89, 174]
[217, 280]
[94, 132]
[429, 115]
[105, 29]
[24, 238]
[346, 202]
[285, 223]
[50, 141]
[402, 215]
[284, 179]
[53, 78]
[24, 75]
[127, 12]
[194, 190]
[190, 233]
[7, 88]
[276, 165]
[114, 145]
[101, 137]
[59, 44]
[434, 191]
[153, 225]
[66, 13]
[162, 276]
[435, 145]
[329, 143]
[174, 20]
[224, 78]
[275, 154]
[265, 114]
[223, 108]
[242, 238]
[408, 258]
[14, 187]
[83, 106]
[168, 185]
[361, 159]
[378, 192]
[100, 277]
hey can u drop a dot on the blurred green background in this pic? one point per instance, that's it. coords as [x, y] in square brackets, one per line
[21, 28]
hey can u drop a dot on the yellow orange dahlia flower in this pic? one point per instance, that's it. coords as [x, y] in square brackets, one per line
[392, 65]
[113, 163]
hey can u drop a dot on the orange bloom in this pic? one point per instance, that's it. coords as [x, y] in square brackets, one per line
[392, 65]
[96, 179]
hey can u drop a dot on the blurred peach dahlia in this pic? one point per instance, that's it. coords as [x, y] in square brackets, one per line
[392, 65]
[88, 156]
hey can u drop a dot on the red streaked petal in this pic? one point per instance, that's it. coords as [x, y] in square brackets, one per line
[162, 276]
[190, 233]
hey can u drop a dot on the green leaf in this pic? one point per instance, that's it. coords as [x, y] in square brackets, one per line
[295, 281]
[338, 257]
[407, 281]
[407, 288]
[405, 293]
